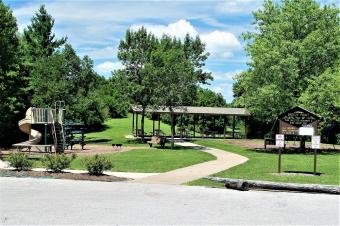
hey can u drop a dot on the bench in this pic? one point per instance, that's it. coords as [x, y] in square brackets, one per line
[28, 147]
[268, 141]
[157, 140]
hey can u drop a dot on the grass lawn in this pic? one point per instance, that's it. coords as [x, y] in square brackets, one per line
[116, 130]
[261, 166]
[148, 160]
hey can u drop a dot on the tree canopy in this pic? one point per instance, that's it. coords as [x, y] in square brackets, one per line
[295, 42]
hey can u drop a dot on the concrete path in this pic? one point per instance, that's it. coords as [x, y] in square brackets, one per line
[225, 160]
[27, 201]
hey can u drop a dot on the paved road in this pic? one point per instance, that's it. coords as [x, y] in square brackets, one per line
[49, 201]
[224, 160]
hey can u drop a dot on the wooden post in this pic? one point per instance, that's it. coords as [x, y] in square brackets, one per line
[136, 124]
[224, 126]
[233, 126]
[245, 127]
[315, 153]
[153, 125]
[175, 122]
[181, 132]
[133, 122]
[279, 168]
[214, 121]
[159, 122]
[194, 126]
[203, 126]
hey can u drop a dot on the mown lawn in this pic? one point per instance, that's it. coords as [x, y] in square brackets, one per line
[148, 160]
[263, 166]
[116, 130]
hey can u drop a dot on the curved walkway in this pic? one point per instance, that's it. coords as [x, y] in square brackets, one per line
[225, 160]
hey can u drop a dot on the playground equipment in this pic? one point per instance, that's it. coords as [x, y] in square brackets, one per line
[46, 117]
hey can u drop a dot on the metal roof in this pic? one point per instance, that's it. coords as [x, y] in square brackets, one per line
[195, 110]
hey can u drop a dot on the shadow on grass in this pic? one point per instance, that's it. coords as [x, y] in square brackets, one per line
[98, 128]
[97, 141]
[306, 173]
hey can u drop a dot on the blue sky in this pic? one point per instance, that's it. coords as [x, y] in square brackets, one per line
[95, 28]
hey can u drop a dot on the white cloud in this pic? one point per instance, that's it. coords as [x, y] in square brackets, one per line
[221, 44]
[107, 67]
[177, 29]
[238, 6]
[227, 76]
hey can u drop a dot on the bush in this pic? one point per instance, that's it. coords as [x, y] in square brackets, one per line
[19, 161]
[56, 162]
[97, 164]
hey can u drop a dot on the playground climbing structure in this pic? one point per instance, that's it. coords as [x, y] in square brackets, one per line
[50, 120]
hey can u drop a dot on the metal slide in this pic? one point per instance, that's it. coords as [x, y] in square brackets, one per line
[25, 125]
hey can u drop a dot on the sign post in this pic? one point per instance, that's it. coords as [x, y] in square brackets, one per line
[315, 146]
[280, 142]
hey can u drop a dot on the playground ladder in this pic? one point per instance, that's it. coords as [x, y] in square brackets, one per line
[57, 131]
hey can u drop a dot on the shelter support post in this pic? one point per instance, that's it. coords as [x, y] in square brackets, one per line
[224, 126]
[133, 122]
[194, 126]
[214, 121]
[136, 124]
[233, 126]
[181, 132]
[153, 125]
[159, 122]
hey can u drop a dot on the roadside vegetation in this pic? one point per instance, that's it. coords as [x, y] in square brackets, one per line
[263, 166]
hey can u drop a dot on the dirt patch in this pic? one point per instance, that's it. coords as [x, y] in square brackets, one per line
[259, 144]
[63, 175]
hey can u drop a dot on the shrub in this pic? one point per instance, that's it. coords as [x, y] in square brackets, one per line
[19, 161]
[97, 164]
[57, 162]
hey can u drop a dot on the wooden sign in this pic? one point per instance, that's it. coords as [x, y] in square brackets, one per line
[297, 117]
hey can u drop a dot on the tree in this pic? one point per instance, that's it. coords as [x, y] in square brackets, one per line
[323, 97]
[12, 83]
[174, 76]
[134, 52]
[295, 41]
[72, 80]
[194, 50]
[39, 40]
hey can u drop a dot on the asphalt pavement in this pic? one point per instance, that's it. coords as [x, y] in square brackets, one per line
[55, 201]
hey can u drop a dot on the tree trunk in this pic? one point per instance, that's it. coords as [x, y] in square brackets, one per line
[172, 130]
[237, 183]
[142, 125]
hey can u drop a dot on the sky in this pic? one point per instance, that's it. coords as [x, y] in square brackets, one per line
[94, 28]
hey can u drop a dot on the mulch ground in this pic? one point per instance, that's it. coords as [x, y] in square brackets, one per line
[63, 175]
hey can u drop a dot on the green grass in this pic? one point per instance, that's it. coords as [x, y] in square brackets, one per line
[148, 160]
[261, 166]
[116, 130]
